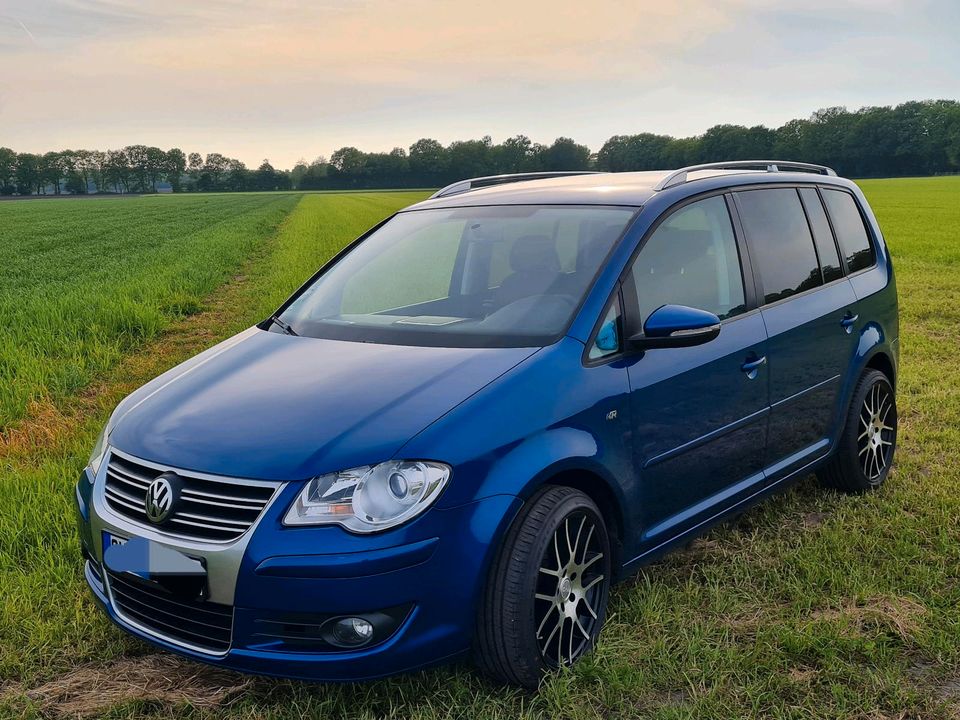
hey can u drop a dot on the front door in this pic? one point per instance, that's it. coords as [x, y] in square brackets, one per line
[699, 413]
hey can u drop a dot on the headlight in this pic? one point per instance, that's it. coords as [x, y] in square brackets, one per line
[99, 451]
[370, 498]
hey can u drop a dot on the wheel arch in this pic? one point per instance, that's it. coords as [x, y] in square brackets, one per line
[881, 361]
[596, 487]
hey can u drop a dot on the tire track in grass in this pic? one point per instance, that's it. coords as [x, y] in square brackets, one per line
[331, 219]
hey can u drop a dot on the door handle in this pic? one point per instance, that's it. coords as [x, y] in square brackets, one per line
[848, 322]
[751, 367]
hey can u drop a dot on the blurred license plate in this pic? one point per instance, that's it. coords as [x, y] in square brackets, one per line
[111, 539]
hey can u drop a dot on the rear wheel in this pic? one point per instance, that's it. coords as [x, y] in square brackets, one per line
[865, 451]
[546, 598]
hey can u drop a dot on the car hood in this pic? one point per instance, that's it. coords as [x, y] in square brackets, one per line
[278, 407]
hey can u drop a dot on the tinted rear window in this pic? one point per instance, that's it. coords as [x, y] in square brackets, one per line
[851, 233]
[822, 236]
[780, 242]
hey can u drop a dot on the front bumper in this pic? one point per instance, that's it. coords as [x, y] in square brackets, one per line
[432, 569]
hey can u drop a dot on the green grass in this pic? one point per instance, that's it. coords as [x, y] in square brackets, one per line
[812, 605]
[83, 282]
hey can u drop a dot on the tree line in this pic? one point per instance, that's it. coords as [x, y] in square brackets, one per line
[914, 138]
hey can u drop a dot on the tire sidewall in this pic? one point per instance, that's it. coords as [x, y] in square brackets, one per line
[850, 447]
[528, 625]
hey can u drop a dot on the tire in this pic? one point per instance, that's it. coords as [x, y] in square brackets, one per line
[868, 441]
[546, 598]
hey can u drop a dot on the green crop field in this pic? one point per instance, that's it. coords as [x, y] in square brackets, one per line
[812, 605]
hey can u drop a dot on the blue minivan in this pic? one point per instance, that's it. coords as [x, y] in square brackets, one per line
[457, 435]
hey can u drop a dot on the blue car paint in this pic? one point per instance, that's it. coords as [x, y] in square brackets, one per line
[630, 432]
[277, 407]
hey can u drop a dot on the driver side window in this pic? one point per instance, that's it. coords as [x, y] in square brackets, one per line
[691, 259]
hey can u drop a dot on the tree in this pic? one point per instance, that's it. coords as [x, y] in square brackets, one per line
[174, 165]
[296, 174]
[565, 154]
[97, 162]
[513, 155]
[117, 171]
[194, 169]
[156, 163]
[470, 158]
[347, 166]
[29, 179]
[428, 162]
[8, 171]
[645, 151]
[913, 138]
[267, 177]
[736, 142]
[213, 172]
[53, 167]
[316, 176]
[138, 162]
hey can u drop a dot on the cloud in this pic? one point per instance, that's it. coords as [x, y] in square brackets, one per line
[288, 78]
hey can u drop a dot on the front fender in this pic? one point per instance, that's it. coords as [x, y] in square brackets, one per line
[547, 454]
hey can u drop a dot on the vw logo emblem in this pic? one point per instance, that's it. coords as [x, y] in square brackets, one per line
[159, 499]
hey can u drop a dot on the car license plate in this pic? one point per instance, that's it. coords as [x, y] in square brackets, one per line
[111, 539]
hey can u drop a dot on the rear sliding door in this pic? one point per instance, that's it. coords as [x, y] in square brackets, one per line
[808, 310]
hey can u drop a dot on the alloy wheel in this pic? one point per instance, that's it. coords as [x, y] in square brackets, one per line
[570, 587]
[875, 441]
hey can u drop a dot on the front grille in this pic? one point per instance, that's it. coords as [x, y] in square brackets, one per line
[94, 567]
[204, 626]
[210, 508]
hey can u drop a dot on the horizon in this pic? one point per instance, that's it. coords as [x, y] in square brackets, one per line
[287, 83]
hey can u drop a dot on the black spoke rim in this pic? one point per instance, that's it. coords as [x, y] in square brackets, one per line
[570, 584]
[878, 419]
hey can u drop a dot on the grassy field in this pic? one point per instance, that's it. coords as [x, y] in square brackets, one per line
[813, 605]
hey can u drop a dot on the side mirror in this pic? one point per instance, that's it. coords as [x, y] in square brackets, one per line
[672, 326]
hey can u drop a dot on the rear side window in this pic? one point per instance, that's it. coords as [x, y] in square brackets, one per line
[851, 233]
[822, 236]
[780, 242]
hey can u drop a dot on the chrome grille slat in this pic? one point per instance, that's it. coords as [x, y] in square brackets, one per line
[194, 623]
[147, 618]
[122, 586]
[137, 502]
[127, 481]
[119, 469]
[206, 526]
[165, 613]
[125, 503]
[214, 520]
[223, 500]
[202, 512]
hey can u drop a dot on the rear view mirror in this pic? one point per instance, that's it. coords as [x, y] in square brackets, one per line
[676, 326]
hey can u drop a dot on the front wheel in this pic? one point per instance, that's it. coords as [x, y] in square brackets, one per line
[869, 438]
[546, 597]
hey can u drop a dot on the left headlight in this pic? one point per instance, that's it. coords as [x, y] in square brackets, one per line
[99, 451]
[370, 498]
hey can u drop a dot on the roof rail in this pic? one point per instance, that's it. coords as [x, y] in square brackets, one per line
[462, 186]
[678, 177]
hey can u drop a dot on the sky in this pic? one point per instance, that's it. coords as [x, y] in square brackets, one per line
[285, 80]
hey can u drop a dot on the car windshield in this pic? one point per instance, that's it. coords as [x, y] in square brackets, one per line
[505, 276]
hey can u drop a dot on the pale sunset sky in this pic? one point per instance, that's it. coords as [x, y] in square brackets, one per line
[286, 80]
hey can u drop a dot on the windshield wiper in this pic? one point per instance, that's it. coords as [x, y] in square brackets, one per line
[282, 325]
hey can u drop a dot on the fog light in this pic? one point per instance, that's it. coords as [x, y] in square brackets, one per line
[352, 631]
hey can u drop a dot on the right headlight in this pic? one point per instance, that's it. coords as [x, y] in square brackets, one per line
[99, 451]
[369, 499]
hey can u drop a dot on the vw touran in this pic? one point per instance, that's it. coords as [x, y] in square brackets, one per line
[469, 424]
